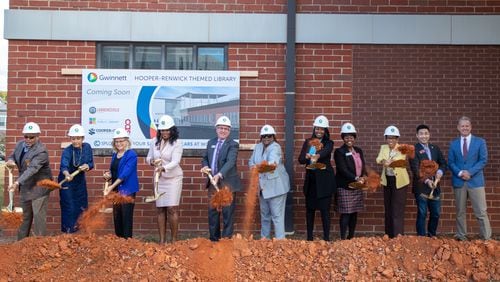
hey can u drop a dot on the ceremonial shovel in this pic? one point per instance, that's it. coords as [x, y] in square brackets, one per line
[156, 195]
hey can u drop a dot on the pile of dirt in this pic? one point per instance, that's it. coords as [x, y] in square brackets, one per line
[106, 258]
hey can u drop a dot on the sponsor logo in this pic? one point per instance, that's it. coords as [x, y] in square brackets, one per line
[93, 131]
[128, 125]
[92, 120]
[94, 110]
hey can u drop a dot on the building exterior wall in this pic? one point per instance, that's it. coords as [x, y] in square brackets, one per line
[371, 85]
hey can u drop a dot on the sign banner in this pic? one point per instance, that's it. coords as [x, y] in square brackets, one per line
[136, 99]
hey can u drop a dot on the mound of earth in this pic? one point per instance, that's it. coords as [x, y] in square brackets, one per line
[109, 258]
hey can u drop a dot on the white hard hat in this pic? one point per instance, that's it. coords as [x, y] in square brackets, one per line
[391, 131]
[321, 121]
[120, 133]
[223, 120]
[267, 129]
[348, 128]
[166, 122]
[76, 130]
[31, 127]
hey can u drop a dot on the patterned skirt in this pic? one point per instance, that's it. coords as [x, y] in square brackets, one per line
[350, 200]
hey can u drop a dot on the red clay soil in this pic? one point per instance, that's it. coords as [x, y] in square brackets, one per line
[250, 201]
[108, 258]
[10, 220]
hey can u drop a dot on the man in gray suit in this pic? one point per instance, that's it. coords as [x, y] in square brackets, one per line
[220, 158]
[32, 160]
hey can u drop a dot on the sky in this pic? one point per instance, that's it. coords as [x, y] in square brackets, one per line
[3, 49]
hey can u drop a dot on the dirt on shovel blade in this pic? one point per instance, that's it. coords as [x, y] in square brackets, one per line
[93, 219]
[10, 220]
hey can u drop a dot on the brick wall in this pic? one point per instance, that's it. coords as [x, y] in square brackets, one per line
[435, 85]
[401, 85]
[273, 6]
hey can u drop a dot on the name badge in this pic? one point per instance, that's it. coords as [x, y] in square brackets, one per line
[348, 154]
[213, 147]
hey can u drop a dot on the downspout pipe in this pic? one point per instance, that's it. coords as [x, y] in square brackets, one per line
[290, 111]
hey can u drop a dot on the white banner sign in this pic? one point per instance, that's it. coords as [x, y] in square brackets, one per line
[136, 99]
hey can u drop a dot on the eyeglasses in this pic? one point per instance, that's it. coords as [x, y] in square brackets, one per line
[120, 141]
[29, 137]
[267, 136]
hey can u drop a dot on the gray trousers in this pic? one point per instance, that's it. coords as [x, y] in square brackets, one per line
[34, 211]
[478, 200]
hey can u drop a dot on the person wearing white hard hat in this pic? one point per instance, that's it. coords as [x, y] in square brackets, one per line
[31, 158]
[273, 185]
[319, 183]
[395, 181]
[165, 154]
[74, 199]
[220, 160]
[350, 167]
[123, 175]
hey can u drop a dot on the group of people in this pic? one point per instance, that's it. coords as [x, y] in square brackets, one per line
[467, 157]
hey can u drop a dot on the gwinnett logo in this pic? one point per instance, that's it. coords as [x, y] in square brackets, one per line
[92, 77]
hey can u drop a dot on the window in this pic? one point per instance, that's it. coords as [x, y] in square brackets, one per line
[161, 56]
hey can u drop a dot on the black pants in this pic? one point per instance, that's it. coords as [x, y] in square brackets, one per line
[123, 217]
[325, 219]
[348, 220]
[394, 206]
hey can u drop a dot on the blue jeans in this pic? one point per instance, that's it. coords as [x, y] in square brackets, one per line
[434, 207]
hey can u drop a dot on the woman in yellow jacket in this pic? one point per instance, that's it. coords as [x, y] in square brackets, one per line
[395, 181]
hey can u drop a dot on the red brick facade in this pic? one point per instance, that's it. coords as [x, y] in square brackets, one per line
[371, 85]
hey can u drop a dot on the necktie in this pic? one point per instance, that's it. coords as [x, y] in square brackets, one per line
[464, 149]
[428, 152]
[214, 167]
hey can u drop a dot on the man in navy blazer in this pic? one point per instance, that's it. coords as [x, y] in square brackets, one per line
[427, 190]
[467, 157]
[220, 158]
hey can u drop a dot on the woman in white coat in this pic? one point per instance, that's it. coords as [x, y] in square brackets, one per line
[165, 155]
[273, 185]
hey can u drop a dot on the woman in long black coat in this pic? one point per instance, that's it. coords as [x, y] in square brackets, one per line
[319, 183]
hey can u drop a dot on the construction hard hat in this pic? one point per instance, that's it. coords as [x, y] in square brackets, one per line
[120, 133]
[31, 127]
[348, 128]
[166, 122]
[391, 131]
[76, 130]
[223, 120]
[321, 121]
[267, 129]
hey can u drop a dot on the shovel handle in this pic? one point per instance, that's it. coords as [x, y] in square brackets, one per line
[212, 180]
[11, 177]
[10, 207]
[157, 177]
[105, 191]
[75, 173]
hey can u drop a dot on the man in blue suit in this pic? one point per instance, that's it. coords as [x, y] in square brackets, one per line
[467, 157]
[220, 159]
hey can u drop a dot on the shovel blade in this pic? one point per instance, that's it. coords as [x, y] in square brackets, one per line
[150, 199]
